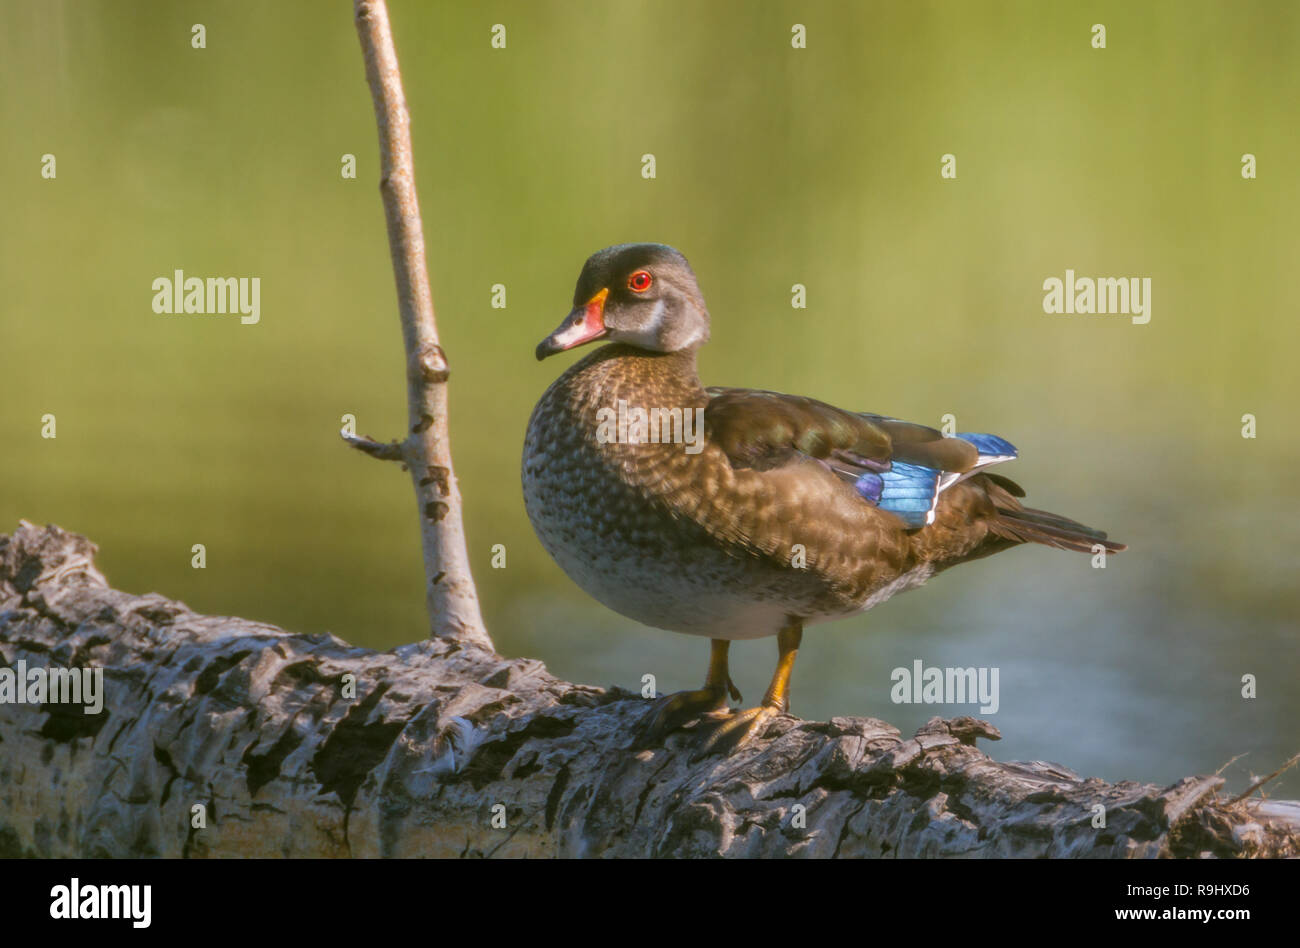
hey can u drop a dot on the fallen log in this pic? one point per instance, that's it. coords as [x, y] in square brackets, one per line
[220, 736]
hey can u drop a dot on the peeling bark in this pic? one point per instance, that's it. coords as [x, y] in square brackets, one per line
[252, 723]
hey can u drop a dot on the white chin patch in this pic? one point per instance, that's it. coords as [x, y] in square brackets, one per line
[650, 336]
[647, 336]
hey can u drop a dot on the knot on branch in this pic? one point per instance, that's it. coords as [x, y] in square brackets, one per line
[431, 363]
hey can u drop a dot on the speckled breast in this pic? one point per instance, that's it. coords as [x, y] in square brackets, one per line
[626, 547]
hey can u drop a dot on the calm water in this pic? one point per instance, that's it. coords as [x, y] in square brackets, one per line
[774, 166]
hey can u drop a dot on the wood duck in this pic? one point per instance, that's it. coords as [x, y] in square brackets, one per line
[734, 513]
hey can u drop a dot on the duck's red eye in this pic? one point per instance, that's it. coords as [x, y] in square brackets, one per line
[640, 281]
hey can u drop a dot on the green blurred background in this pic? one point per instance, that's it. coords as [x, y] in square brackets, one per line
[775, 166]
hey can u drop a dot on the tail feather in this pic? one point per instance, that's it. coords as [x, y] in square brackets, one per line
[1027, 525]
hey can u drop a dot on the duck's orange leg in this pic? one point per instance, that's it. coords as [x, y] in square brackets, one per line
[727, 735]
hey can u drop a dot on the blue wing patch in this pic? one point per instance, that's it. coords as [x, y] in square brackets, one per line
[990, 446]
[909, 490]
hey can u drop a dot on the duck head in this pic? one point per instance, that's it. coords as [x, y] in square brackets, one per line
[644, 295]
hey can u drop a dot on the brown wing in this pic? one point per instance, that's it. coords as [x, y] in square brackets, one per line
[763, 430]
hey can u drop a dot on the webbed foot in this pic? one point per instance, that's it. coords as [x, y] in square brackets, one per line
[675, 710]
[729, 734]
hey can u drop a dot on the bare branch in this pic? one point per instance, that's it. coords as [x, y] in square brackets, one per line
[379, 450]
[450, 595]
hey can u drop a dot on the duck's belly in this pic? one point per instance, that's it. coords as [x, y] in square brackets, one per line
[693, 598]
[666, 572]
